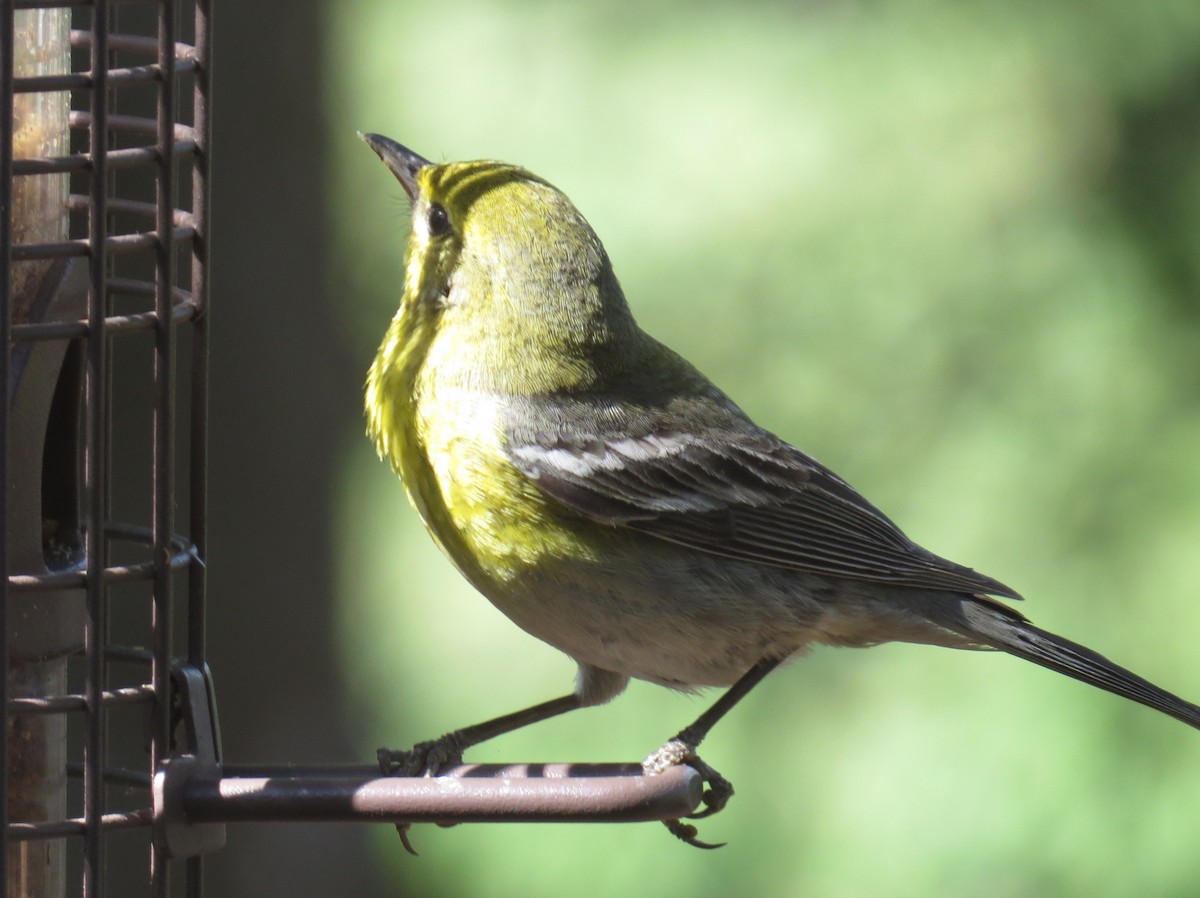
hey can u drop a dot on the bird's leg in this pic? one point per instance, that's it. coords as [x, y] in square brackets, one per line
[682, 750]
[437, 754]
[427, 758]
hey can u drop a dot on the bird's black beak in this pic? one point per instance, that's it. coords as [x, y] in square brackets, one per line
[400, 160]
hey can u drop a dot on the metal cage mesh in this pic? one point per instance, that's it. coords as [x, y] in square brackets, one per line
[105, 374]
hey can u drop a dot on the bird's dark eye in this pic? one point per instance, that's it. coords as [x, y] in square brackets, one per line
[439, 220]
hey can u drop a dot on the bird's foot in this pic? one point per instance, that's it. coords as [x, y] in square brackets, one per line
[423, 759]
[715, 797]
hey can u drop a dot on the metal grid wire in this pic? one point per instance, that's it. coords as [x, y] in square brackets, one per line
[107, 353]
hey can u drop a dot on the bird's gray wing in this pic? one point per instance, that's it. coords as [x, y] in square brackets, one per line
[723, 486]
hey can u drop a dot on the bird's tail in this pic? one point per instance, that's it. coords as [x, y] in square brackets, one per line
[992, 624]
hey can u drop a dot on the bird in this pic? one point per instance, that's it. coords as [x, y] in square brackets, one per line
[611, 501]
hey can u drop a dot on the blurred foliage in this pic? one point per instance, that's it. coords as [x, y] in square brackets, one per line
[951, 249]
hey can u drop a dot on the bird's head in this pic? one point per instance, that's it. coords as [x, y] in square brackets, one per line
[503, 262]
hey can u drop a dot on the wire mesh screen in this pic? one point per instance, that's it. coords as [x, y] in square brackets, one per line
[103, 162]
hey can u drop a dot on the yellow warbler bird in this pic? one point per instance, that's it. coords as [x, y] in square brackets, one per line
[611, 501]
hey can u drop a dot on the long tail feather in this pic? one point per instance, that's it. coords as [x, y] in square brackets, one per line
[1003, 629]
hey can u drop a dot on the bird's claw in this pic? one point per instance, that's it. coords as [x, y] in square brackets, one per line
[718, 793]
[685, 832]
[423, 759]
[402, 831]
[714, 799]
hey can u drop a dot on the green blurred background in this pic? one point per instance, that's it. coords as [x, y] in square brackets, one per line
[950, 249]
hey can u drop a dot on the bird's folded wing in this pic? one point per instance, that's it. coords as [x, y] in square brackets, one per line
[733, 490]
